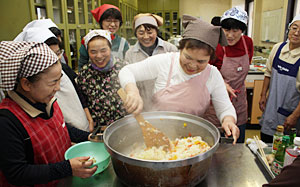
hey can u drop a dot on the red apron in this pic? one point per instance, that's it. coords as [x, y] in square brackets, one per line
[49, 137]
[190, 96]
[234, 71]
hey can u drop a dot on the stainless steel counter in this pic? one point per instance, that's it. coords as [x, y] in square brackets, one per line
[231, 166]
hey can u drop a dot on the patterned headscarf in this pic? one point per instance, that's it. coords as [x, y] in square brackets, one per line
[236, 13]
[198, 29]
[97, 32]
[23, 59]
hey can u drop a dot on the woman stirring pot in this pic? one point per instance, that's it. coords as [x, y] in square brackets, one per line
[185, 81]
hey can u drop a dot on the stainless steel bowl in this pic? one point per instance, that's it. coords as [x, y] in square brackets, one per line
[121, 136]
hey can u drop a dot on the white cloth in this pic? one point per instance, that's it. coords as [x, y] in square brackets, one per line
[35, 34]
[70, 104]
[97, 32]
[41, 23]
[253, 146]
[296, 18]
[158, 66]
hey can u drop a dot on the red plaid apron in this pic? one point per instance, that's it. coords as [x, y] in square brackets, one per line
[49, 137]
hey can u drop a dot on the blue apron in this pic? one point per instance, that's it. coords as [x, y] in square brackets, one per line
[283, 95]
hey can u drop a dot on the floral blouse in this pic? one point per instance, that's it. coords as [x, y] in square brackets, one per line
[100, 91]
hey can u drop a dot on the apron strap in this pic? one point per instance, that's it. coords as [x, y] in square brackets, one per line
[224, 50]
[170, 72]
[122, 44]
[245, 46]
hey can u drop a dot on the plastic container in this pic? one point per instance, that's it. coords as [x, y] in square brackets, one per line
[277, 165]
[95, 150]
[277, 138]
[292, 152]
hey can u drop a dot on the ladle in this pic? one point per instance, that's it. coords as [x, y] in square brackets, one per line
[152, 136]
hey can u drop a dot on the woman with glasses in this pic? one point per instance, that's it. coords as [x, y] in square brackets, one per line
[148, 44]
[109, 18]
[282, 83]
[233, 61]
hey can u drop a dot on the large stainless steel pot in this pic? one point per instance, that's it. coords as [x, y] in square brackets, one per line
[120, 137]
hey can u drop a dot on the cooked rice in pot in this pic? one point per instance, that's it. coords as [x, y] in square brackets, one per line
[180, 149]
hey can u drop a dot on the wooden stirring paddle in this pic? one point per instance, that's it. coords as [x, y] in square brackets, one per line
[152, 136]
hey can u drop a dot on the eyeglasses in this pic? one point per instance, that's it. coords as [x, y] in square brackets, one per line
[294, 29]
[110, 21]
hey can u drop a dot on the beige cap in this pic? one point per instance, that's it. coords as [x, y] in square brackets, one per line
[147, 18]
[198, 29]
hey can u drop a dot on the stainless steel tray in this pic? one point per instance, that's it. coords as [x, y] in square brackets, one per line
[267, 150]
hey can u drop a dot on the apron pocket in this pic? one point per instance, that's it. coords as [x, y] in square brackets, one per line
[284, 112]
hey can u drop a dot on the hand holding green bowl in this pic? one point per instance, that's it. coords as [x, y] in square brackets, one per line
[95, 150]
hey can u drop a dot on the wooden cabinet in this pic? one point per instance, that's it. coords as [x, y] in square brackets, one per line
[169, 10]
[128, 13]
[253, 110]
[74, 19]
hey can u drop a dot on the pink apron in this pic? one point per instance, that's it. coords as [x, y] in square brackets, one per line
[234, 71]
[190, 96]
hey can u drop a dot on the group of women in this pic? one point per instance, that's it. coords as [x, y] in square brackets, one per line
[34, 129]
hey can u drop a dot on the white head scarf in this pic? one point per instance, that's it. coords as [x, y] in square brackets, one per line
[40, 23]
[296, 18]
[236, 13]
[35, 34]
[97, 32]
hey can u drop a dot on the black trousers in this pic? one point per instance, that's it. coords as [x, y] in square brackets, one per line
[266, 138]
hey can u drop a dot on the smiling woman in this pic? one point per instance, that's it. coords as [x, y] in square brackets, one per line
[41, 88]
[32, 124]
[109, 18]
[149, 44]
[184, 81]
[282, 104]
[98, 79]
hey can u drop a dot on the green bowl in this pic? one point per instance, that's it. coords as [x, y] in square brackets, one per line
[94, 150]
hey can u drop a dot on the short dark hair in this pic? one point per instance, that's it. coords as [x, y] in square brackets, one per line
[52, 41]
[231, 23]
[147, 28]
[196, 44]
[56, 31]
[216, 21]
[111, 12]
